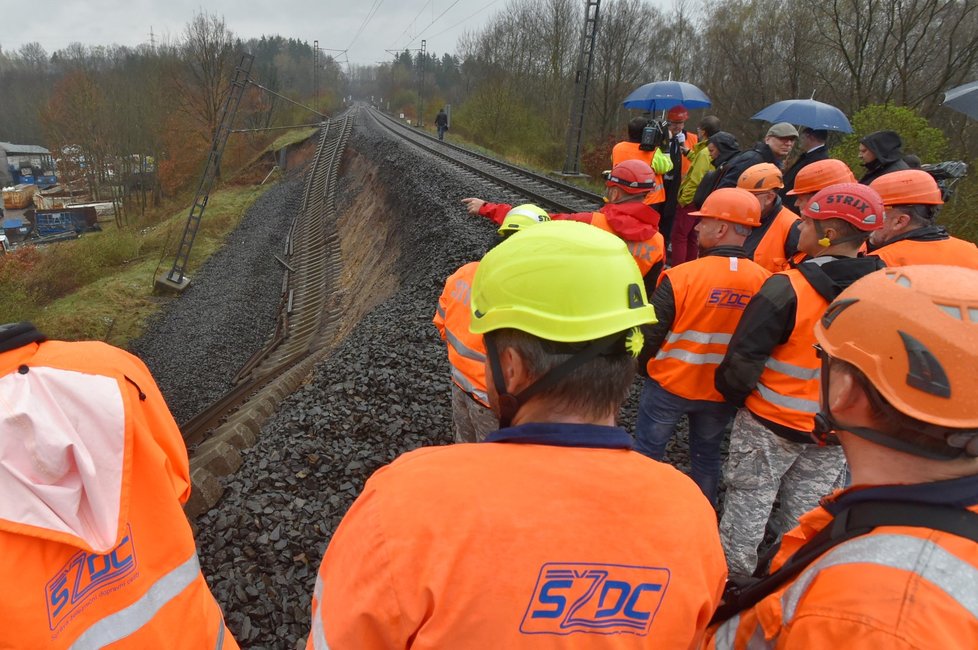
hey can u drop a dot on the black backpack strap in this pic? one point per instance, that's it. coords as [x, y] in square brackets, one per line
[856, 520]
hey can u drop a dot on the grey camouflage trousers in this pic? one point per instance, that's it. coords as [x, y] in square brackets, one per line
[760, 467]
[473, 421]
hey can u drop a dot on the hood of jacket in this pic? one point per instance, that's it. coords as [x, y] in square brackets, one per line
[63, 441]
[885, 145]
[631, 220]
[830, 275]
[726, 145]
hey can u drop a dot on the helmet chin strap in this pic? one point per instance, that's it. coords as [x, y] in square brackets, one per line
[826, 426]
[508, 404]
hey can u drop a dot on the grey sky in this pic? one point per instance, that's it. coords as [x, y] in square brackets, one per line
[395, 24]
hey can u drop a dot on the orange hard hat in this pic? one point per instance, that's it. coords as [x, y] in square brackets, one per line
[913, 332]
[908, 187]
[677, 114]
[731, 204]
[760, 178]
[632, 176]
[858, 205]
[820, 174]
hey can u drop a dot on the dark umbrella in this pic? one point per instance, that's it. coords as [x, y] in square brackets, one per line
[806, 112]
[663, 95]
[963, 99]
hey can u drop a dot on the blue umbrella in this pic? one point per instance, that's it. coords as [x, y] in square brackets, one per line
[663, 95]
[806, 112]
[963, 99]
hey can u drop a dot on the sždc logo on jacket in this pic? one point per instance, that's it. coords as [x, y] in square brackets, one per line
[594, 598]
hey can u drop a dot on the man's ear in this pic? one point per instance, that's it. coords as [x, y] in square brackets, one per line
[515, 371]
[847, 399]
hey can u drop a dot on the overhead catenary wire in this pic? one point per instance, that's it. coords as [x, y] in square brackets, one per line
[469, 17]
[366, 21]
[276, 128]
[414, 20]
[421, 33]
[269, 90]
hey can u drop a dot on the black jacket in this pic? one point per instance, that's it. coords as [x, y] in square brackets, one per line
[886, 146]
[728, 149]
[441, 119]
[769, 320]
[807, 158]
[759, 153]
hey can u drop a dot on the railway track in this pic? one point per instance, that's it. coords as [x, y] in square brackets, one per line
[312, 262]
[547, 192]
[305, 333]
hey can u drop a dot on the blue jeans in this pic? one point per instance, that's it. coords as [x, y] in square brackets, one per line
[659, 411]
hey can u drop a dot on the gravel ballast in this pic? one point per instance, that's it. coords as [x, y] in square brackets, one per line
[384, 390]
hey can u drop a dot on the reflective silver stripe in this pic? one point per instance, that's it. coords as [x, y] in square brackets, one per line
[689, 357]
[726, 634]
[928, 560]
[318, 631]
[699, 337]
[220, 633]
[790, 369]
[463, 349]
[126, 621]
[796, 403]
[468, 386]
[757, 640]
[440, 311]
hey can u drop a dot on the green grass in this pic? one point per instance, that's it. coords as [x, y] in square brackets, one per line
[100, 286]
[291, 137]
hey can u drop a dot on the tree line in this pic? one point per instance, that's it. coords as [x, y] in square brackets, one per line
[510, 81]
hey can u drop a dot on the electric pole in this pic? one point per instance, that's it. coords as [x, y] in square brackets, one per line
[582, 76]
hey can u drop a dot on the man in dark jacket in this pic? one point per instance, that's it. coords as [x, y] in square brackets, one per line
[441, 122]
[813, 145]
[723, 148]
[881, 154]
[777, 143]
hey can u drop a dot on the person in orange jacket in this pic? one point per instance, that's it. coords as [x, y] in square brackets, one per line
[891, 562]
[698, 305]
[93, 474]
[552, 533]
[909, 234]
[775, 242]
[471, 415]
[623, 214]
[633, 149]
[771, 369]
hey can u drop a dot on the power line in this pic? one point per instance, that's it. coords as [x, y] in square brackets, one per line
[370, 14]
[421, 33]
[448, 29]
[410, 24]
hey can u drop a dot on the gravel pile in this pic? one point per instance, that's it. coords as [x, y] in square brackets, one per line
[382, 392]
[196, 345]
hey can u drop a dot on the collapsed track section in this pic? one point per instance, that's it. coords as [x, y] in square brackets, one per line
[312, 262]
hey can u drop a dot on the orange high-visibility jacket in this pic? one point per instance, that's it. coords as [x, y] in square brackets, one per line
[466, 351]
[647, 253]
[710, 295]
[770, 251]
[953, 251]
[95, 549]
[528, 540]
[787, 391]
[691, 140]
[630, 151]
[898, 587]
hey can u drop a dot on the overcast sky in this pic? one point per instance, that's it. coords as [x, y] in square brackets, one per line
[395, 24]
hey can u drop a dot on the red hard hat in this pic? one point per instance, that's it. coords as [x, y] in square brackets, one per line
[859, 205]
[677, 114]
[632, 176]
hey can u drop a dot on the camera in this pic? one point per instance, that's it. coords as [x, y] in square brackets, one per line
[654, 135]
